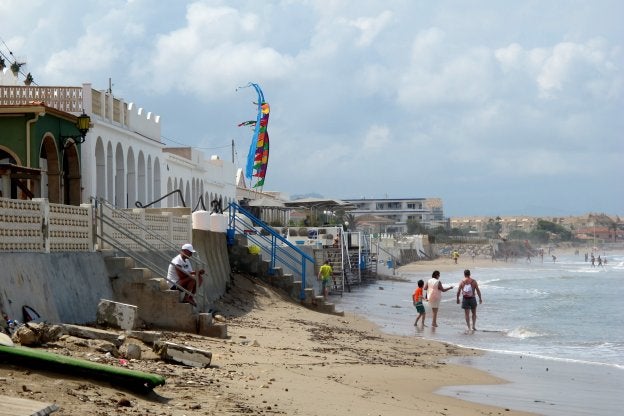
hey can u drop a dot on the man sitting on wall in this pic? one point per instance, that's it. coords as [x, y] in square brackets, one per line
[181, 274]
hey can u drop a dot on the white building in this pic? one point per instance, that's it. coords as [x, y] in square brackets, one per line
[122, 158]
[427, 211]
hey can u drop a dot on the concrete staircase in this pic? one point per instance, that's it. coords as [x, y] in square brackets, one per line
[158, 306]
[242, 260]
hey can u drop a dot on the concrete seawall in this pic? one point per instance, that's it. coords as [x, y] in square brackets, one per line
[61, 287]
[67, 287]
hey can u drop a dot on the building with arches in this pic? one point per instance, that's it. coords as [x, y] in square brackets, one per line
[121, 158]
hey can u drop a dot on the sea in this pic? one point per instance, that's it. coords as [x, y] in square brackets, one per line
[553, 329]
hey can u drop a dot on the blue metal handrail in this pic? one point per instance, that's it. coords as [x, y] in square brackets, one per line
[274, 244]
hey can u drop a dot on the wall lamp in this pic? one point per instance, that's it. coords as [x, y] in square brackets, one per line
[82, 124]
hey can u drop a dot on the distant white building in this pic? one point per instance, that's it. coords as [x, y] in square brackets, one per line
[427, 211]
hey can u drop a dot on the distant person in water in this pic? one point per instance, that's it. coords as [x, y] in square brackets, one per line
[468, 288]
[554, 258]
[417, 298]
[434, 290]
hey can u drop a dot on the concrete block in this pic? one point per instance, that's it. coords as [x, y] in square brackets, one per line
[116, 315]
[94, 333]
[204, 320]
[190, 356]
[148, 337]
[214, 331]
[131, 351]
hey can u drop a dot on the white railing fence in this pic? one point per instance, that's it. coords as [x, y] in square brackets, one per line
[41, 227]
[38, 226]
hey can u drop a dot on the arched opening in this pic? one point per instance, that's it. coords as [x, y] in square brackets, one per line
[150, 180]
[157, 179]
[51, 170]
[8, 189]
[120, 176]
[131, 180]
[110, 183]
[100, 169]
[141, 182]
[71, 175]
[170, 197]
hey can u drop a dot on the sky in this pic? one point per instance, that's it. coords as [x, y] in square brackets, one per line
[496, 107]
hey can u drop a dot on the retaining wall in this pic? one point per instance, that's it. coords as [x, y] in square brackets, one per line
[67, 287]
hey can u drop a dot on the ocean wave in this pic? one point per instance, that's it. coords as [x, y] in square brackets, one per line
[523, 333]
[544, 356]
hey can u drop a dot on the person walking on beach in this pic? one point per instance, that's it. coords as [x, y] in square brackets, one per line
[434, 290]
[455, 256]
[468, 287]
[181, 274]
[324, 276]
[417, 298]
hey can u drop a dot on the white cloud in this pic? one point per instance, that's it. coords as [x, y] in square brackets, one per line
[464, 92]
[370, 27]
[377, 137]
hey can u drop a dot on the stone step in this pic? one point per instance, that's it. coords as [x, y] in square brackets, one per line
[136, 274]
[117, 265]
[326, 307]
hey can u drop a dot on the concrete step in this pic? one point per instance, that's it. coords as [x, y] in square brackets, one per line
[309, 295]
[136, 274]
[326, 307]
[117, 265]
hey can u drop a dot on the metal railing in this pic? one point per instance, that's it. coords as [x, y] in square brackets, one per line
[115, 227]
[275, 246]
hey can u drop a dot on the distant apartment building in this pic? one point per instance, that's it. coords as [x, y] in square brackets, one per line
[397, 212]
[479, 225]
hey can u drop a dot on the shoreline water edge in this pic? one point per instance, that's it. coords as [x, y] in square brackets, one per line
[553, 373]
[283, 359]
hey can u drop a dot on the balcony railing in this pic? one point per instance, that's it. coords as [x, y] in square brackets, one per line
[67, 99]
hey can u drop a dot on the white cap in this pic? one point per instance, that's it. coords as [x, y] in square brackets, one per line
[188, 247]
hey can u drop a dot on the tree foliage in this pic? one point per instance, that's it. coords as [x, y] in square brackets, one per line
[415, 227]
[561, 233]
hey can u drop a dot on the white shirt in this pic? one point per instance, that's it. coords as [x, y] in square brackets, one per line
[172, 274]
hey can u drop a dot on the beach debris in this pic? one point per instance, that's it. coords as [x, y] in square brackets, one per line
[116, 314]
[131, 351]
[181, 354]
[36, 334]
[94, 333]
[105, 347]
[19, 406]
[37, 359]
[5, 340]
[219, 318]
[148, 337]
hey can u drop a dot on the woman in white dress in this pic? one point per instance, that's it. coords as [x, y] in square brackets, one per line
[434, 290]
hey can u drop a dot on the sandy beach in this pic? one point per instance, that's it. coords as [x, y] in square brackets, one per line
[279, 358]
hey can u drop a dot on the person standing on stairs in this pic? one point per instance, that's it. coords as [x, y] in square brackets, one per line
[182, 275]
[325, 275]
